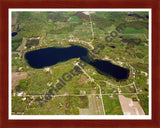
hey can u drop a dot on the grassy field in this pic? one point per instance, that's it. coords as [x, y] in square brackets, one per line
[144, 101]
[65, 105]
[112, 105]
[74, 19]
[129, 30]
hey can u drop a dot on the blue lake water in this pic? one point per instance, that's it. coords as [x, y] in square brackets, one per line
[107, 68]
[50, 56]
[14, 34]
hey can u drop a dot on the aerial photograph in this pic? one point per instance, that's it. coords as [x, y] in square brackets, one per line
[79, 62]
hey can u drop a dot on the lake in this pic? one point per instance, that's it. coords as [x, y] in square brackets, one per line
[14, 34]
[50, 56]
[107, 68]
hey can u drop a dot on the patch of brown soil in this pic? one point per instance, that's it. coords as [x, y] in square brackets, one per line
[82, 79]
[16, 76]
[130, 107]
[93, 92]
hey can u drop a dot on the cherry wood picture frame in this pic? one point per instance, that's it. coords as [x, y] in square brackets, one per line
[4, 62]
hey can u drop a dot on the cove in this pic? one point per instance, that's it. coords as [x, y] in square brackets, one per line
[50, 56]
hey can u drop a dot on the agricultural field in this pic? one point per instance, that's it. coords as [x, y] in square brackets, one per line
[75, 86]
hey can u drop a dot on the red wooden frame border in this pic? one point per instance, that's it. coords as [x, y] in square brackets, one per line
[6, 4]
